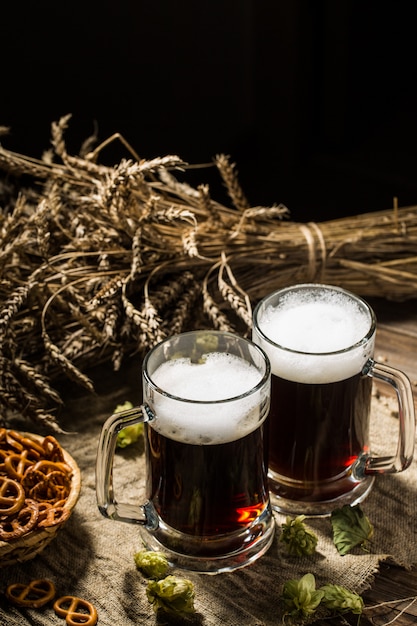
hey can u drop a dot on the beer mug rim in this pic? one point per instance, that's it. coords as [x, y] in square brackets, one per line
[265, 376]
[315, 286]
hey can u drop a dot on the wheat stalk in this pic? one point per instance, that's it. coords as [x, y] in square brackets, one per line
[99, 262]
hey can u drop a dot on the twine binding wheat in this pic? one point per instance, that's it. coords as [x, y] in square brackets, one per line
[98, 262]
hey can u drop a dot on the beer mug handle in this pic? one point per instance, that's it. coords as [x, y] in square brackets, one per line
[106, 501]
[406, 420]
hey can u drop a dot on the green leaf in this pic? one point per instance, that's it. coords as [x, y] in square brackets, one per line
[351, 528]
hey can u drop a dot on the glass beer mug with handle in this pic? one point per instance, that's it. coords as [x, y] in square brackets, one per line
[205, 400]
[320, 342]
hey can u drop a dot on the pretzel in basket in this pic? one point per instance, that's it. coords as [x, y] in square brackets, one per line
[12, 496]
[52, 514]
[52, 449]
[51, 488]
[76, 611]
[16, 464]
[7, 441]
[15, 526]
[19, 442]
[46, 466]
[34, 595]
[31, 478]
[35, 482]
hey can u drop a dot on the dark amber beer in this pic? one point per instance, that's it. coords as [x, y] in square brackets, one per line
[208, 489]
[320, 342]
[210, 453]
[312, 447]
[206, 399]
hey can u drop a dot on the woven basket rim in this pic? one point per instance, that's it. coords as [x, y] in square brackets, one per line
[35, 540]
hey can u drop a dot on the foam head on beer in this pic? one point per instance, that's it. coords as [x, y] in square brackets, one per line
[316, 336]
[211, 404]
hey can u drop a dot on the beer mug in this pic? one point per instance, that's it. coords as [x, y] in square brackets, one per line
[205, 400]
[320, 342]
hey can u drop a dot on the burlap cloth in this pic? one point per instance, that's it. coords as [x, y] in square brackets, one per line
[92, 557]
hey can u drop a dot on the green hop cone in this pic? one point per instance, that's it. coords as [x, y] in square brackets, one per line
[123, 407]
[171, 595]
[129, 435]
[340, 599]
[151, 564]
[299, 539]
[300, 597]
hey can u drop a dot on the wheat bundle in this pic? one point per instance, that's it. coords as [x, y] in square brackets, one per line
[99, 262]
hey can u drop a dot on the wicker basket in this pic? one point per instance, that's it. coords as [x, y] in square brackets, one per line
[33, 542]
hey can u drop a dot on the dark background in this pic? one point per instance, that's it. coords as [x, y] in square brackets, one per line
[314, 100]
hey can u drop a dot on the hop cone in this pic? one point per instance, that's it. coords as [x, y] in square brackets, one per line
[299, 539]
[171, 595]
[151, 564]
[341, 599]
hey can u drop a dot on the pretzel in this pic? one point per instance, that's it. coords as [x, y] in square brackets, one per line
[54, 486]
[8, 443]
[52, 449]
[3, 456]
[51, 515]
[76, 611]
[14, 526]
[34, 595]
[46, 466]
[12, 496]
[16, 464]
[35, 482]
[20, 440]
[31, 478]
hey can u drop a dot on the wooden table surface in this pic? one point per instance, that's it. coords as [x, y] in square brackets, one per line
[396, 344]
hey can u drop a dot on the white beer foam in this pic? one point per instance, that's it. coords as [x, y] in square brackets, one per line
[314, 325]
[220, 377]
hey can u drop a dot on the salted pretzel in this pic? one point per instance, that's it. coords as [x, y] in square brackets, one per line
[12, 496]
[34, 595]
[76, 611]
[15, 526]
